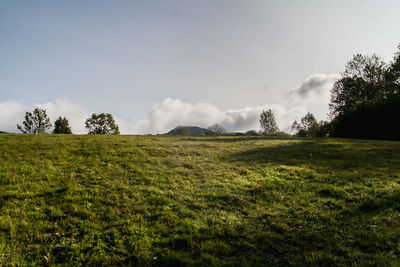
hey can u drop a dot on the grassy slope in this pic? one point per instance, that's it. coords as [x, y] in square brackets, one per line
[170, 200]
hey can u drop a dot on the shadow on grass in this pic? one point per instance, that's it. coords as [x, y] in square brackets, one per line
[48, 196]
[231, 139]
[389, 200]
[320, 153]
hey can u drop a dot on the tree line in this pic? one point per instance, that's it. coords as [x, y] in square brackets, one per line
[37, 122]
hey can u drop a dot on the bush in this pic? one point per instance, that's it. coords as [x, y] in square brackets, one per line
[61, 126]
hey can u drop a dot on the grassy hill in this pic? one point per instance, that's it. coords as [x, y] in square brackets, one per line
[165, 200]
[190, 130]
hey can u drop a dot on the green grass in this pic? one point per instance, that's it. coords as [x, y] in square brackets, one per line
[158, 200]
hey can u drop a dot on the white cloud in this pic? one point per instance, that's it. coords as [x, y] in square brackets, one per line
[170, 113]
[75, 114]
[11, 113]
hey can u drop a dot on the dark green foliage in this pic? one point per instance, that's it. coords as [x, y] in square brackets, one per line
[36, 122]
[363, 78]
[324, 128]
[268, 123]
[102, 123]
[393, 75]
[61, 126]
[365, 102]
[369, 120]
[110, 200]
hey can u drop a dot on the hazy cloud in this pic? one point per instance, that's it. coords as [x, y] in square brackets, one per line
[316, 84]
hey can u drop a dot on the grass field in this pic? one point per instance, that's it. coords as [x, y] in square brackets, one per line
[158, 200]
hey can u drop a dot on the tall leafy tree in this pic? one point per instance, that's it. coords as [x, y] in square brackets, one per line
[103, 123]
[36, 122]
[365, 102]
[268, 123]
[61, 126]
[363, 78]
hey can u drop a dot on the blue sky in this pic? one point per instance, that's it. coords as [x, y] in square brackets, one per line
[154, 64]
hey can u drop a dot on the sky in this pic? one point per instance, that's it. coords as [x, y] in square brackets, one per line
[155, 65]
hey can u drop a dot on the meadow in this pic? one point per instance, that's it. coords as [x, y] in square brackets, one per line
[101, 200]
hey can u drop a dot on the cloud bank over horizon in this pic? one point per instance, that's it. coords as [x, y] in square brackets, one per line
[312, 95]
[171, 112]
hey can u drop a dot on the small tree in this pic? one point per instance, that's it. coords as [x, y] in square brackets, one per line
[35, 122]
[216, 129]
[268, 122]
[309, 126]
[103, 123]
[61, 126]
[296, 127]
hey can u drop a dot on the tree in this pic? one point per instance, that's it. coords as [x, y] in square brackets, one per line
[101, 124]
[216, 129]
[61, 126]
[363, 78]
[268, 122]
[35, 122]
[309, 126]
[365, 102]
[393, 75]
[296, 127]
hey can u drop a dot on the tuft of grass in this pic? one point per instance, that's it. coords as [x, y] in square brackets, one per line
[162, 200]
